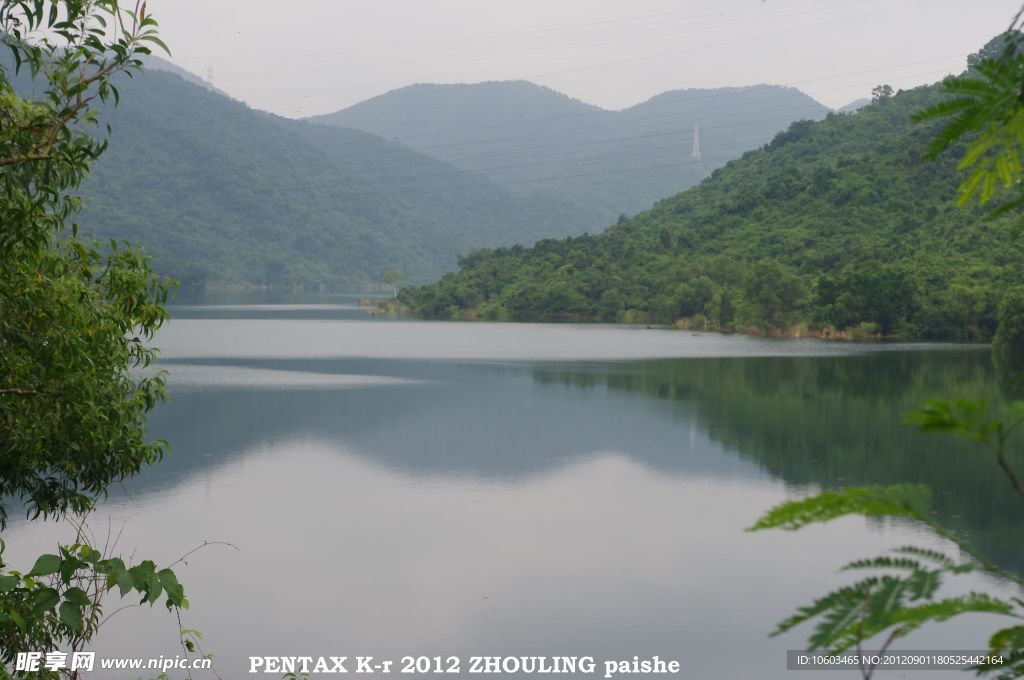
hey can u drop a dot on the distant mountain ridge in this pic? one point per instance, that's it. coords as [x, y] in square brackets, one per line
[531, 139]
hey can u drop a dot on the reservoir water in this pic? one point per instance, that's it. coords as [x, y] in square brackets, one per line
[395, 488]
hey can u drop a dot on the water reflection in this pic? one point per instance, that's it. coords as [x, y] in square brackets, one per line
[838, 422]
[339, 555]
[806, 420]
[438, 489]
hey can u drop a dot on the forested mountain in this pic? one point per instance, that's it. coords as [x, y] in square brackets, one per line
[533, 140]
[219, 192]
[838, 224]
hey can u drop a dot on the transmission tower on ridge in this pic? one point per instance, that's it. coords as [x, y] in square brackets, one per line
[696, 143]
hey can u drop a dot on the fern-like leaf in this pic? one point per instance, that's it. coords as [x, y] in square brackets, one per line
[830, 632]
[923, 584]
[900, 500]
[934, 556]
[942, 610]
[985, 105]
[901, 620]
[944, 109]
[841, 599]
[885, 562]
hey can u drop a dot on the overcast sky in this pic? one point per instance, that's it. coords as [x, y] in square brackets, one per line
[317, 56]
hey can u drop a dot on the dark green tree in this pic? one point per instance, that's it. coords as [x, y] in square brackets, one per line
[881, 93]
[775, 292]
[75, 320]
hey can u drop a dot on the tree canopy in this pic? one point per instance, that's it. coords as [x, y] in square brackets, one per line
[75, 319]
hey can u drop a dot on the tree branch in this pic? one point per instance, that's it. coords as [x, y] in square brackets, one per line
[27, 158]
[18, 391]
[1014, 480]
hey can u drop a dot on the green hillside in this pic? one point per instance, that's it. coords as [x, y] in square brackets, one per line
[535, 141]
[833, 226]
[221, 193]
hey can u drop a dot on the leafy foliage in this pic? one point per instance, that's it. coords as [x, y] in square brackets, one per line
[970, 419]
[901, 596]
[985, 105]
[59, 600]
[898, 604]
[75, 319]
[73, 324]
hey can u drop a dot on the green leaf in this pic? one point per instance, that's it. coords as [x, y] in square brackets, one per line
[78, 597]
[124, 581]
[175, 592]
[141, 574]
[68, 568]
[18, 619]
[153, 588]
[44, 599]
[45, 565]
[157, 41]
[8, 583]
[71, 616]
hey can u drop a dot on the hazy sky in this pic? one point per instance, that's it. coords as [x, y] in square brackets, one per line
[317, 56]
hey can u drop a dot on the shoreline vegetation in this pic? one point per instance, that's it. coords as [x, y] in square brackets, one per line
[394, 309]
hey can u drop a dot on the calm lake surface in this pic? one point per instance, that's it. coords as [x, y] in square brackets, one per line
[405, 488]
